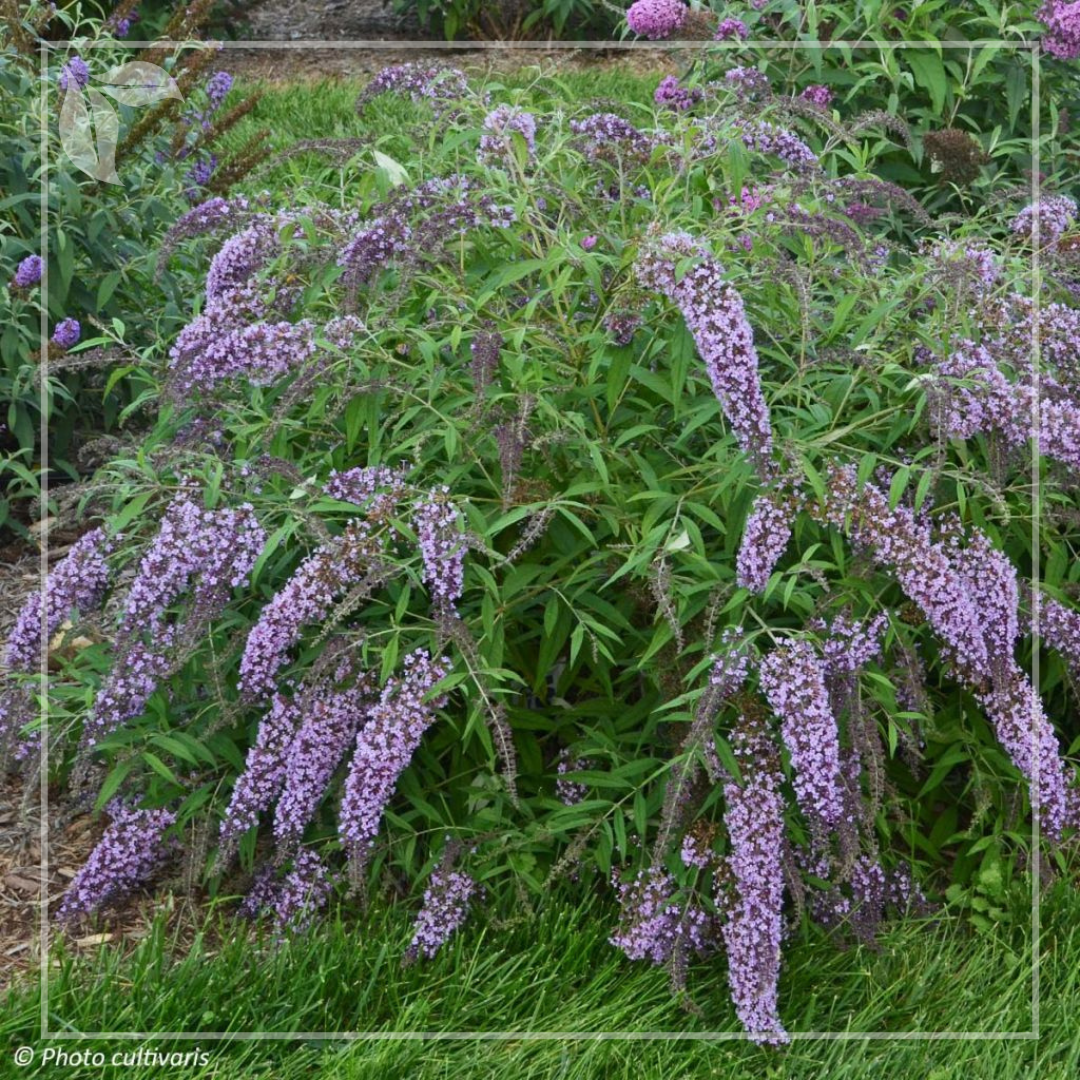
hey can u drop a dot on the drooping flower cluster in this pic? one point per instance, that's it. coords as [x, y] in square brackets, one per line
[851, 644]
[653, 923]
[793, 679]
[28, 272]
[979, 398]
[767, 138]
[263, 777]
[730, 29]
[1062, 19]
[1059, 627]
[376, 488]
[673, 95]
[442, 547]
[206, 553]
[768, 529]
[818, 95]
[292, 901]
[438, 86]
[306, 597]
[445, 909]
[608, 137]
[77, 582]
[969, 597]
[754, 816]
[496, 145]
[413, 224]
[1055, 214]
[656, 19]
[384, 748]
[130, 850]
[902, 540]
[332, 717]
[714, 314]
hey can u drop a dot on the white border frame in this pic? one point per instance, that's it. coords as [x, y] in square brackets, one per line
[1033, 48]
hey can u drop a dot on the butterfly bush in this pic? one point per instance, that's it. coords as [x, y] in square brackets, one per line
[446, 907]
[384, 749]
[716, 317]
[768, 529]
[430, 370]
[28, 272]
[130, 850]
[793, 680]
[754, 816]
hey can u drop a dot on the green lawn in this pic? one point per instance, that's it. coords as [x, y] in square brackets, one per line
[557, 973]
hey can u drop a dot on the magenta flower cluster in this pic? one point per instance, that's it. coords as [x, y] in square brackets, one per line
[656, 19]
[1062, 20]
[730, 29]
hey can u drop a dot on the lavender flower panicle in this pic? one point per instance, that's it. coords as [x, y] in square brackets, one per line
[653, 923]
[496, 147]
[332, 717]
[28, 272]
[714, 314]
[793, 679]
[384, 749]
[754, 816]
[294, 900]
[445, 909]
[768, 529]
[442, 547]
[1059, 628]
[305, 598]
[264, 773]
[128, 852]
[77, 582]
[656, 19]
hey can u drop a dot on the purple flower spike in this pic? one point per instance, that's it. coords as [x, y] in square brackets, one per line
[793, 678]
[446, 907]
[384, 748]
[130, 850]
[755, 821]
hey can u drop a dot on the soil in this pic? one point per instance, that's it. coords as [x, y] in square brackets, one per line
[363, 23]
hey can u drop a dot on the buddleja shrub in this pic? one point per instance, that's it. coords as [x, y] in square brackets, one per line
[590, 492]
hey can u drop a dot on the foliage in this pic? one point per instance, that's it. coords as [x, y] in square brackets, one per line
[101, 236]
[609, 417]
